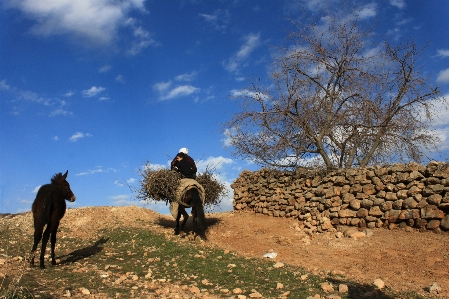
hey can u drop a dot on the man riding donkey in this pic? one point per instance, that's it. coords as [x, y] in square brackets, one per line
[189, 192]
[184, 164]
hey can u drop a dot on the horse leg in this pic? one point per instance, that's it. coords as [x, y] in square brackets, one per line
[45, 238]
[185, 216]
[53, 242]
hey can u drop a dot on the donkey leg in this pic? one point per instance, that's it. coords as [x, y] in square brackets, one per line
[177, 222]
[194, 215]
[37, 239]
[53, 242]
[185, 216]
[45, 238]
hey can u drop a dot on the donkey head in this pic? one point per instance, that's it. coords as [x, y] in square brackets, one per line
[60, 179]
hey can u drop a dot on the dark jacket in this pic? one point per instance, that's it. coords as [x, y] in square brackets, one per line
[186, 158]
[185, 168]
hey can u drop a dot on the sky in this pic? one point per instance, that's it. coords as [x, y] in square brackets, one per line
[101, 87]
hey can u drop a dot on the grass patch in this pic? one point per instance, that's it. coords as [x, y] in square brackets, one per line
[135, 262]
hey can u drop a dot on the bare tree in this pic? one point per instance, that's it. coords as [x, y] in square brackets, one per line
[337, 99]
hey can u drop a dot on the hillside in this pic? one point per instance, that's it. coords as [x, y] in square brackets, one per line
[403, 260]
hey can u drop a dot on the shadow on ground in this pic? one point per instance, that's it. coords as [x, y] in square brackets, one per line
[366, 291]
[171, 223]
[85, 252]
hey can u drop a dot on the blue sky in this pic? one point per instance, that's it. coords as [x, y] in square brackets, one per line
[98, 87]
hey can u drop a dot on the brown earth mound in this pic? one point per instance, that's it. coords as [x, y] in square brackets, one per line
[404, 260]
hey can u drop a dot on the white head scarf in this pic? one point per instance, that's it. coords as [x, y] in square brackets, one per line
[184, 150]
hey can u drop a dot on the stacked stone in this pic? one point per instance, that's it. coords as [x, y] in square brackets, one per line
[403, 195]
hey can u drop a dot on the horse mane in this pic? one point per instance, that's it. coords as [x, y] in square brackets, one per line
[57, 179]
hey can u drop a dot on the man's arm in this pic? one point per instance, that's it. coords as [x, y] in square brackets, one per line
[173, 163]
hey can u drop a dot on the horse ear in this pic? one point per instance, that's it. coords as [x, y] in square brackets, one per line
[65, 174]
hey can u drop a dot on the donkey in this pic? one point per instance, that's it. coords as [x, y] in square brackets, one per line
[48, 209]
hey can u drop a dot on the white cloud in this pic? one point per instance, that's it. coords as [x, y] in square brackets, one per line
[251, 42]
[367, 11]
[443, 134]
[105, 69]
[60, 111]
[36, 189]
[441, 53]
[118, 183]
[227, 139]
[404, 22]
[120, 197]
[166, 93]
[398, 3]
[396, 33]
[99, 169]
[234, 63]
[211, 163]
[186, 77]
[26, 202]
[312, 5]
[157, 166]
[79, 135]
[137, 47]
[441, 113]
[226, 203]
[219, 20]
[248, 93]
[56, 138]
[3, 85]
[209, 18]
[443, 76]
[34, 97]
[142, 38]
[120, 79]
[131, 181]
[180, 91]
[93, 91]
[440, 121]
[57, 105]
[96, 21]
[162, 86]
[222, 171]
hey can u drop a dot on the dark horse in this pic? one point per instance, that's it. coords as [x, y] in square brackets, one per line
[191, 198]
[48, 209]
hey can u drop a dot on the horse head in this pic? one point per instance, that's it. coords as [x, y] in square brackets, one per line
[60, 179]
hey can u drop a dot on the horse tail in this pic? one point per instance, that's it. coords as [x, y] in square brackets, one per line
[197, 203]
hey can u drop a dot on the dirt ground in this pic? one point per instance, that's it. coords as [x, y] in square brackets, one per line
[404, 260]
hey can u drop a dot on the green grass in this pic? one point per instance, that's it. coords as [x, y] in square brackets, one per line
[111, 263]
[186, 264]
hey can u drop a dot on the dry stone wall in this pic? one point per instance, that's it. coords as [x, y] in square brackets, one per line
[402, 195]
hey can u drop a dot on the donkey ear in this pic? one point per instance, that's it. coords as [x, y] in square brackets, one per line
[65, 174]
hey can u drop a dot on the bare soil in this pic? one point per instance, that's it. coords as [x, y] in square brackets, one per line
[404, 260]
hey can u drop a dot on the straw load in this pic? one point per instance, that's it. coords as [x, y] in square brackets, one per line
[161, 184]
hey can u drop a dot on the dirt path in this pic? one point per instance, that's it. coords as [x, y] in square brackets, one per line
[403, 260]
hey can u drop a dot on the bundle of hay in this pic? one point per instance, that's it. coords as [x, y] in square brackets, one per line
[161, 185]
